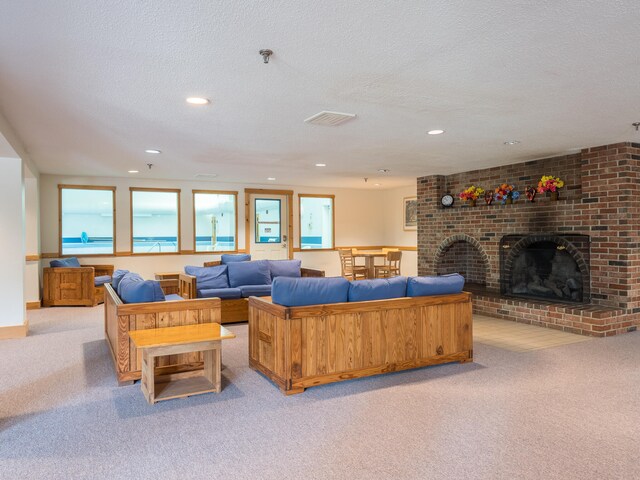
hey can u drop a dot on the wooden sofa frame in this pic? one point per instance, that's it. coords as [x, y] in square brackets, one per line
[73, 286]
[120, 318]
[233, 309]
[300, 347]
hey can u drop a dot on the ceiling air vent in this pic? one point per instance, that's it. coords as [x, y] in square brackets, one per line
[206, 176]
[330, 119]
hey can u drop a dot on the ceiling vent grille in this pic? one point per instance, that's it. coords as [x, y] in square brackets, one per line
[330, 119]
[206, 176]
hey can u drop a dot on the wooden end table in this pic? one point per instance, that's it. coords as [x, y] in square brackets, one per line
[155, 342]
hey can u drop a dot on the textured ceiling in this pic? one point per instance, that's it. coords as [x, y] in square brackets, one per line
[88, 86]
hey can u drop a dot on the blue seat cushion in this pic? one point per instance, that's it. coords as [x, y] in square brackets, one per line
[209, 277]
[133, 289]
[65, 262]
[101, 280]
[226, 258]
[249, 273]
[297, 292]
[284, 268]
[255, 290]
[438, 285]
[378, 289]
[172, 297]
[222, 293]
[116, 277]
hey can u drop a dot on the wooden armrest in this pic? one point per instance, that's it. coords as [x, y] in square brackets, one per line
[311, 272]
[102, 269]
[213, 263]
[69, 269]
[187, 286]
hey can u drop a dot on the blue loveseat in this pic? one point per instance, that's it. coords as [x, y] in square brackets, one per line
[236, 278]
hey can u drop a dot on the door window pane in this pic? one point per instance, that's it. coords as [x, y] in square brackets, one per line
[154, 222]
[215, 217]
[87, 221]
[316, 222]
[267, 220]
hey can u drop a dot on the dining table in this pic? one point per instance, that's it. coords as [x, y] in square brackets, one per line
[369, 259]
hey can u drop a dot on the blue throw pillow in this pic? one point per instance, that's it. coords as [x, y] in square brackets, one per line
[130, 276]
[226, 258]
[209, 277]
[249, 273]
[116, 277]
[65, 262]
[378, 289]
[297, 292]
[438, 285]
[284, 268]
[133, 289]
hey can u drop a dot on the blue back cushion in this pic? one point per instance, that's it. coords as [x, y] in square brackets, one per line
[226, 258]
[209, 277]
[439, 285]
[133, 289]
[249, 273]
[284, 268]
[116, 277]
[297, 292]
[65, 262]
[378, 289]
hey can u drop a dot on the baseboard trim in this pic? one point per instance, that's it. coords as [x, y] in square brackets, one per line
[33, 305]
[17, 331]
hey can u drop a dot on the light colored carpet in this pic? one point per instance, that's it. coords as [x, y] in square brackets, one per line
[566, 412]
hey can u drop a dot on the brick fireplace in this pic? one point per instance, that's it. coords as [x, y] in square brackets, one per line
[595, 225]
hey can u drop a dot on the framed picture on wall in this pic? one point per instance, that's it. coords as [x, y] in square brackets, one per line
[410, 213]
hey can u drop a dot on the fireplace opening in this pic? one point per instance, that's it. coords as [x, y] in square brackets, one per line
[465, 257]
[549, 267]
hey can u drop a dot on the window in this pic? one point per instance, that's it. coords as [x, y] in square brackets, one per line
[155, 220]
[215, 220]
[87, 220]
[317, 222]
[268, 220]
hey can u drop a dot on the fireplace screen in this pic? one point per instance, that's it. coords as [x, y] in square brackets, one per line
[550, 267]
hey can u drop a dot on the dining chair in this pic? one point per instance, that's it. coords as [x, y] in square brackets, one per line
[391, 266]
[349, 270]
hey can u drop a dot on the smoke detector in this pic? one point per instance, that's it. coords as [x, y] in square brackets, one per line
[330, 119]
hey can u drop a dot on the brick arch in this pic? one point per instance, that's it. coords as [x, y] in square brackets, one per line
[569, 247]
[473, 252]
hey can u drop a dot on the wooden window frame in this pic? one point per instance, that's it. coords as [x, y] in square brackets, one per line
[148, 189]
[214, 192]
[333, 221]
[85, 187]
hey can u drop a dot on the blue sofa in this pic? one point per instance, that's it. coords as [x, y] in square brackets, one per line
[234, 280]
[315, 331]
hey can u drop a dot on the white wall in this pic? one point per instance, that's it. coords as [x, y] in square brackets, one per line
[395, 235]
[359, 221]
[12, 243]
[32, 236]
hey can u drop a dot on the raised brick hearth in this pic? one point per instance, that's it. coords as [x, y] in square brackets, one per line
[601, 199]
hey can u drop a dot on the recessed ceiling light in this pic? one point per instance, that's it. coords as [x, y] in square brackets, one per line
[271, 179]
[512, 142]
[152, 150]
[134, 171]
[198, 101]
[321, 164]
[376, 184]
[435, 132]
[384, 170]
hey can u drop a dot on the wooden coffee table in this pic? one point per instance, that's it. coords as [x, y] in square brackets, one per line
[154, 342]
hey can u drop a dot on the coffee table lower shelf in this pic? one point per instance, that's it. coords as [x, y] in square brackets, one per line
[183, 387]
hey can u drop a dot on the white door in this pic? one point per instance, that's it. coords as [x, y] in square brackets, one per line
[268, 226]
